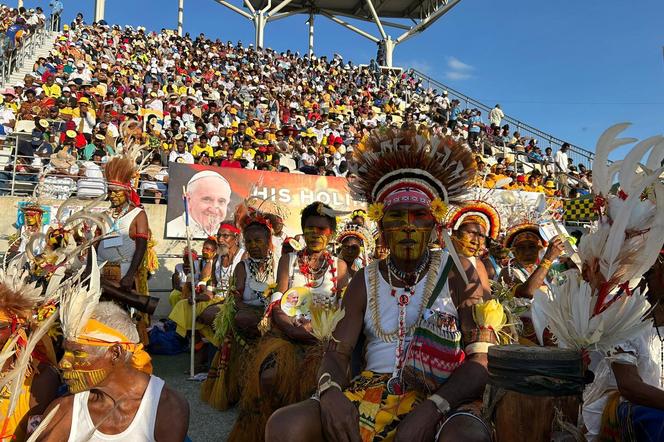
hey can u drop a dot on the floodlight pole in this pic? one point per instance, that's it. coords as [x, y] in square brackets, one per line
[100, 7]
[311, 33]
[259, 17]
[180, 16]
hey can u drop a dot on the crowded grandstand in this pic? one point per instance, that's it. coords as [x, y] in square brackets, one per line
[211, 240]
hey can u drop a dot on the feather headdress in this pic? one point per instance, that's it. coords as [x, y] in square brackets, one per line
[590, 312]
[400, 166]
[389, 159]
[476, 211]
[18, 296]
[360, 232]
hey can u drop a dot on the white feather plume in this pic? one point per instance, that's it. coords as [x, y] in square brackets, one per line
[77, 302]
[569, 316]
[620, 247]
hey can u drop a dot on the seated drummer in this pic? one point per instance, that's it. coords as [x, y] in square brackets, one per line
[384, 301]
[626, 399]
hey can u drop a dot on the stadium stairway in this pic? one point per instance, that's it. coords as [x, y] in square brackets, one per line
[26, 68]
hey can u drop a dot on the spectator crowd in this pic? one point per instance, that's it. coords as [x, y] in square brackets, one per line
[204, 101]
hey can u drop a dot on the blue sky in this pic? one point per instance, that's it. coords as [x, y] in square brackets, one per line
[569, 68]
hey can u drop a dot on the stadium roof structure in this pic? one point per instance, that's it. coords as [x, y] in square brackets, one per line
[415, 15]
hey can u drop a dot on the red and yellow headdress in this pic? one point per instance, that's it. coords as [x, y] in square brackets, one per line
[359, 232]
[523, 232]
[477, 212]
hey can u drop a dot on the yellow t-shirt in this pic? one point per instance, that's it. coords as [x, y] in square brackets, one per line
[53, 91]
[198, 150]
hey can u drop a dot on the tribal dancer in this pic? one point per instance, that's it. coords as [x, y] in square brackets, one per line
[472, 224]
[236, 325]
[409, 182]
[602, 310]
[355, 246]
[526, 274]
[283, 369]
[36, 384]
[124, 248]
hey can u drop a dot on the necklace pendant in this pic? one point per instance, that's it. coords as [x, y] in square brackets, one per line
[394, 386]
[404, 300]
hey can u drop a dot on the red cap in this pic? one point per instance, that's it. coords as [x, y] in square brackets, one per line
[521, 179]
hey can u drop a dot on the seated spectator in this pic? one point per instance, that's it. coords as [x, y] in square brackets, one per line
[154, 182]
[91, 182]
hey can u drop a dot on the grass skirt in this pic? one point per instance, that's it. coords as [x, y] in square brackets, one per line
[181, 315]
[224, 382]
[295, 380]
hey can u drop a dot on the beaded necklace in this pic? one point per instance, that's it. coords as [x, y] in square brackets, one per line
[315, 276]
[260, 269]
[373, 295]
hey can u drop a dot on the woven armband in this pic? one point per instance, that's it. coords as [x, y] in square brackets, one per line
[478, 340]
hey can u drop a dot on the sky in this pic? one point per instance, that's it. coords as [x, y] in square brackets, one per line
[569, 68]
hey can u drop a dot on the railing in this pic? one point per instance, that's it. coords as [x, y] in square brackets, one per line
[578, 154]
[23, 175]
[13, 58]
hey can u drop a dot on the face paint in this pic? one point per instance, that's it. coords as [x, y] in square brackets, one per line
[76, 376]
[317, 238]
[468, 240]
[527, 252]
[32, 219]
[83, 380]
[407, 229]
[117, 197]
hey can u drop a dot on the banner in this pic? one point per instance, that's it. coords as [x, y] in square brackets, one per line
[580, 210]
[215, 192]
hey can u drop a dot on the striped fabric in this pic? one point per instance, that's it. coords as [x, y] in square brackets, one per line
[434, 353]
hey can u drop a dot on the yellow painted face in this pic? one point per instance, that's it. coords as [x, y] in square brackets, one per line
[407, 229]
[79, 370]
[117, 197]
[527, 252]
[209, 251]
[468, 239]
[33, 219]
[317, 233]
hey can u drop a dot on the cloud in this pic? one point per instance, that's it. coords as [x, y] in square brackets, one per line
[420, 65]
[458, 70]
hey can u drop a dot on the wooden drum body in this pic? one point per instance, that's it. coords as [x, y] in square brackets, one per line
[533, 391]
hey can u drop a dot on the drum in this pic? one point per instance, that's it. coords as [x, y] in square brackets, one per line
[533, 392]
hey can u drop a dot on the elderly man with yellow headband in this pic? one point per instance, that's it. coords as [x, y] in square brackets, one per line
[113, 395]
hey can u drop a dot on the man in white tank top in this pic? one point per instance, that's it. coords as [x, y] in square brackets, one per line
[113, 395]
[386, 301]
